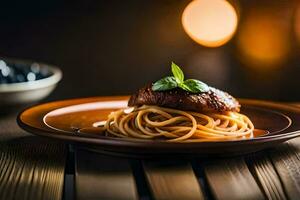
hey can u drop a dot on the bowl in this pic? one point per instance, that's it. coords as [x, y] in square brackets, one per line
[15, 95]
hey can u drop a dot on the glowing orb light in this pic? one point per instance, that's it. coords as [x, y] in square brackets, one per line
[210, 23]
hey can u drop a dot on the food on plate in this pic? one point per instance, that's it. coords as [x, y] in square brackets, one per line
[176, 109]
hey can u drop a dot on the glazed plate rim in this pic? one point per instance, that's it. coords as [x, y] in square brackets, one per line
[110, 141]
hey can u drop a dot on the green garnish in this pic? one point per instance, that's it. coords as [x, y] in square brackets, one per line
[177, 80]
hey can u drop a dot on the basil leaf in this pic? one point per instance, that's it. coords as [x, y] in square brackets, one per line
[177, 72]
[194, 86]
[184, 87]
[166, 83]
[177, 80]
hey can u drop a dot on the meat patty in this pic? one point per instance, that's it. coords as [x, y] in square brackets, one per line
[212, 101]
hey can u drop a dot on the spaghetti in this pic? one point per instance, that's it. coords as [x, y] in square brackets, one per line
[154, 122]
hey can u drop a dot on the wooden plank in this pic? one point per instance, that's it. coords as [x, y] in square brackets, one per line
[172, 180]
[286, 159]
[231, 179]
[31, 168]
[103, 177]
[262, 167]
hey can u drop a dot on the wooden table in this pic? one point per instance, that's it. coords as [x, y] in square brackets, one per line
[37, 168]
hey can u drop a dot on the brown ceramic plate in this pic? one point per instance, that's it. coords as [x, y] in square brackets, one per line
[63, 119]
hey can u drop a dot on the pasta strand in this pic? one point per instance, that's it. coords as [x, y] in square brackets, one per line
[153, 122]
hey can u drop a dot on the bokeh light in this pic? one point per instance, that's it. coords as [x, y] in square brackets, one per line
[210, 23]
[263, 40]
[297, 22]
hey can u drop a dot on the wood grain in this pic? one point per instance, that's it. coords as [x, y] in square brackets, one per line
[172, 180]
[231, 179]
[103, 177]
[262, 167]
[31, 169]
[286, 159]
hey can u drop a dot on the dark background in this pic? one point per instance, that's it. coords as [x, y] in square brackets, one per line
[115, 47]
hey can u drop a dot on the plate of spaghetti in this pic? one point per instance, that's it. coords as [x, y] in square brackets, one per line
[171, 115]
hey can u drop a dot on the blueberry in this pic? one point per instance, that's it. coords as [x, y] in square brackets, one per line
[17, 66]
[5, 71]
[31, 76]
[25, 71]
[20, 78]
[2, 64]
[39, 76]
[35, 68]
[11, 79]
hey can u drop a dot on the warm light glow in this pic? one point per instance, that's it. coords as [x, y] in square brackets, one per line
[263, 40]
[210, 23]
[297, 23]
